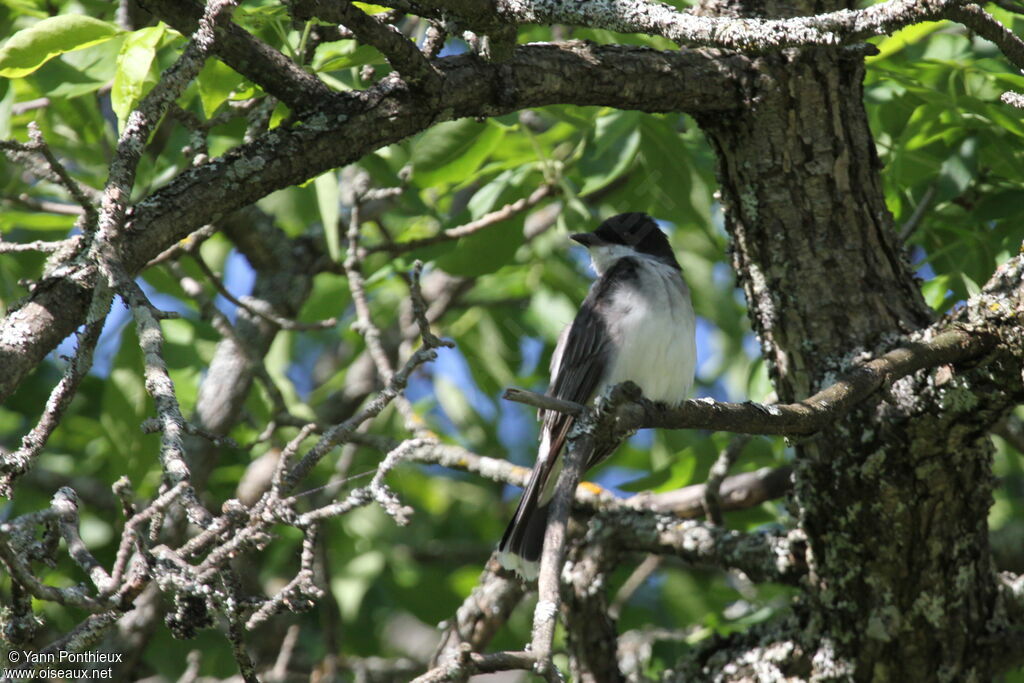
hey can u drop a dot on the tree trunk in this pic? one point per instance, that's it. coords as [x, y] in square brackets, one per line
[894, 498]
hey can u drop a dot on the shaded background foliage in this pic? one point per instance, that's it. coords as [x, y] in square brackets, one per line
[954, 163]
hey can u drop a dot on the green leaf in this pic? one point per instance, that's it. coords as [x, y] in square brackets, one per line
[370, 8]
[485, 251]
[364, 54]
[30, 48]
[668, 166]
[327, 199]
[27, 7]
[78, 73]
[485, 199]
[973, 289]
[935, 292]
[6, 105]
[957, 171]
[353, 580]
[452, 151]
[216, 82]
[489, 249]
[498, 191]
[902, 38]
[454, 403]
[133, 64]
[611, 153]
[999, 205]
[34, 220]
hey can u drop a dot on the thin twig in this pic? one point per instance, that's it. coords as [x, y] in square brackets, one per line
[985, 25]
[403, 55]
[545, 613]
[46, 205]
[65, 503]
[66, 181]
[161, 388]
[910, 226]
[190, 243]
[37, 245]
[357, 286]
[637, 579]
[283, 323]
[717, 474]
[487, 220]
[13, 465]
[236, 629]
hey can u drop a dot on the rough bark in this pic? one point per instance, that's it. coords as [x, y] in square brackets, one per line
[894, 498]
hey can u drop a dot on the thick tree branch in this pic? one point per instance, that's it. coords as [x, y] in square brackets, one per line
[763, 556]
[536, 75]
[842, 27]
[806, 417]
[738, 492]
[590, 627]
[480, 616]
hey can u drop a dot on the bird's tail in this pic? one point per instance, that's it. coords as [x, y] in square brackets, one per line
[523, 541]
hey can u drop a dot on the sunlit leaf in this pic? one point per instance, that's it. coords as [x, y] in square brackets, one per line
[450, 152]
[30, 48]
[327, 200]
[133, 65]
[616, 141]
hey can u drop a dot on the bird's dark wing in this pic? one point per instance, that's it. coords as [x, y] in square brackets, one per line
[584, 359]
[586, 353]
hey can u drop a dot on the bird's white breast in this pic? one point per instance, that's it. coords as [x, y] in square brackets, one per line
[654, 334]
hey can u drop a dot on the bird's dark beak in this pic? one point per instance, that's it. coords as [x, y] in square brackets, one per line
[587, 239]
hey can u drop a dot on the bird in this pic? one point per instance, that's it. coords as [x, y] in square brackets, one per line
[637, 324]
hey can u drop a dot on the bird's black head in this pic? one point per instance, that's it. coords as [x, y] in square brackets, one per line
[636, 230]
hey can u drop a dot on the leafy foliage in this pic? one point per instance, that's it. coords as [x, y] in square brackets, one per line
[954, 172]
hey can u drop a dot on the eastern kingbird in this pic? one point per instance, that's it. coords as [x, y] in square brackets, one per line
[636, 324]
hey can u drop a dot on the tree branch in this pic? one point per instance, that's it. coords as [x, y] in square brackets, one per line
[738, 492]
[763, 556]
[986, 26]
[842, 27]
[485, 221]
[401, 53]
[354, 125]
[481, 614]
[806, 417]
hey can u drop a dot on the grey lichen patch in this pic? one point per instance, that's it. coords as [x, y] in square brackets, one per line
[931, 607]
[17, 331]
[245, 167]
[750, 204]
[929, 471]
[904, 394]
[829, 664]
[965, 577]
[884, 623]
[765, 663]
